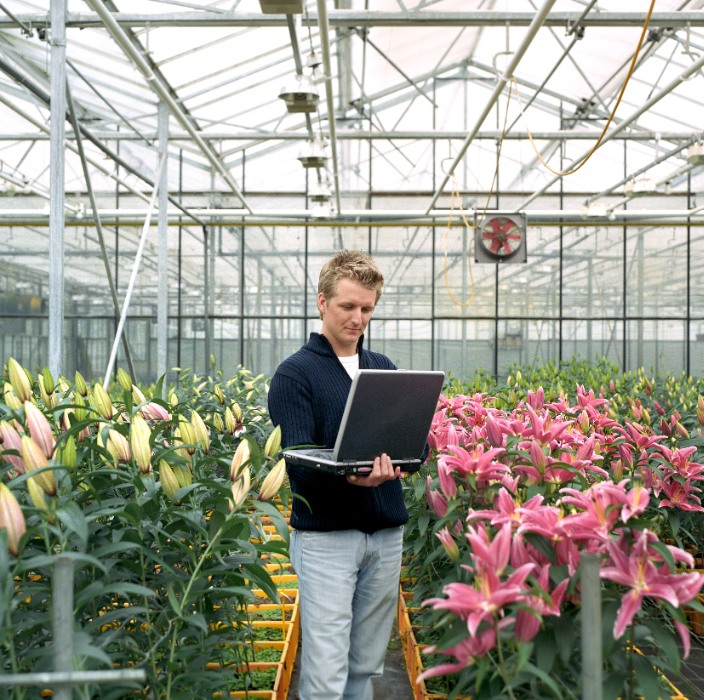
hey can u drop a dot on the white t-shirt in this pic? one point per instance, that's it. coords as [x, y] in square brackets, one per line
[351, 364]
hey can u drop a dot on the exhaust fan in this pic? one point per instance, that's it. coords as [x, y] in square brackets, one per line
[501, 238]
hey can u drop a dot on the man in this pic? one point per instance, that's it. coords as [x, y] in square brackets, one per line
[348, 530]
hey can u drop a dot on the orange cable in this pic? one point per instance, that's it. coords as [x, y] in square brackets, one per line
[611, 116]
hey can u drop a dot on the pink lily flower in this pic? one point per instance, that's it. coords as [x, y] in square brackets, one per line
[476, 461]
[483, 603]
[529, 620]
[585, 398]
[536, 400]
[680, 496]
[636, 570]
[447, 482]
[639, 435]
[464, 652]
[494, 554]
[545, 430]
[436, 501]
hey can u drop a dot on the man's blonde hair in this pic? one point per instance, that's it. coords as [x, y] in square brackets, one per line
[353, 265]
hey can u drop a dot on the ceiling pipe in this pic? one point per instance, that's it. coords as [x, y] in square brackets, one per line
[535, 26]
[683, 76]
[402, 217]
[323, 29]
[348, 18]
[123, 41]
[364, 135]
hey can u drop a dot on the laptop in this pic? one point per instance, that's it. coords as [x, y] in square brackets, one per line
[386, 411]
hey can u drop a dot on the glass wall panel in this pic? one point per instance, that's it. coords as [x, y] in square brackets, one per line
[696, 276]
[463, 288]
[656, 272]
[592, 272]
[407, 343]
[463, 347]
[591, 340]
[407, 272]
[656, 345]
[533, 289]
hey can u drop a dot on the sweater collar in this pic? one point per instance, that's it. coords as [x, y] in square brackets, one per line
[317, 342]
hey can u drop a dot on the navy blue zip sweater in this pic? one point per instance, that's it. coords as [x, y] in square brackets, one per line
[307, 398]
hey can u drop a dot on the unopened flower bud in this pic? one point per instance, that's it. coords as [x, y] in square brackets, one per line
[169, 482]
[67, 456]
[273, 442]
[11, 399]
[200, 431]
[617, 470]
[11, 442]
[239, 459]
[537, 456]
[118, 446]
[273, 481]
[102, 402]
[39, 428]
[19, 380]
[219, 395]
[36, 495]
[48, 398]
[681, 430]
[584, 422]
[139, 443]
[47, 380]
[218, 423]
[700, 410]
[449, 543]
[187, 434]
[11, 519]
[35, 459]
[124, 379]
[239, 490]
[183, 475]
[237, 411]
[80, 385]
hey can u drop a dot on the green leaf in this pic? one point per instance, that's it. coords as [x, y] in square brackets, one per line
[614, 684]
[545, 678]
[74, 520]
[173, 600]
[647, 678]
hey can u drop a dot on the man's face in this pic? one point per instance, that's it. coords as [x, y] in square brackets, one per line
[346, 315]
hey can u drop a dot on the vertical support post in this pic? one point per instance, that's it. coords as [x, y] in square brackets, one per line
[162, 312]
[591, 627]
[56, 188]
[206, 301]
[62, 622]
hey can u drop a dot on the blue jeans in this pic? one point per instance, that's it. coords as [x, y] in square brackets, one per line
[348, 590]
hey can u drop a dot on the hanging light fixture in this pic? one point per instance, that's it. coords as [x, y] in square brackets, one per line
[314, 154]
[320, 191]
[281, 7]
[321, 210]
[300, 95]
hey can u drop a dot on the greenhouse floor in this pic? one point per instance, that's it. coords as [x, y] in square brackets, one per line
[693, 672]
[394, 684]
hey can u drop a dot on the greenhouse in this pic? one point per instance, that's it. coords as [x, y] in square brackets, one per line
[177, 176]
